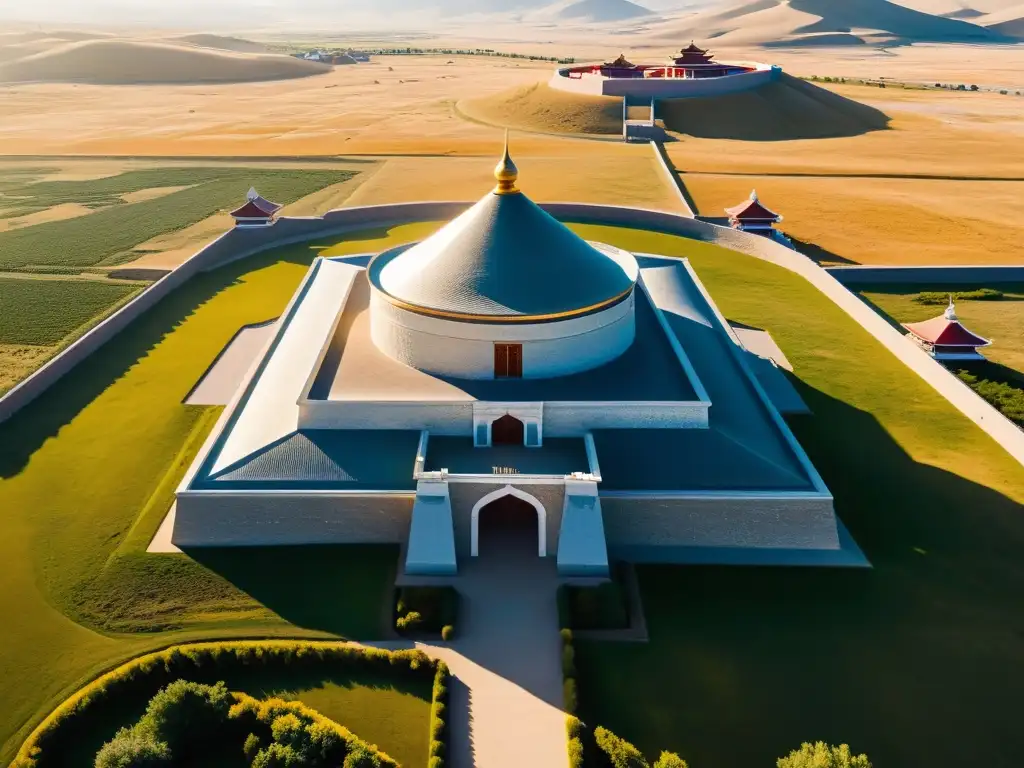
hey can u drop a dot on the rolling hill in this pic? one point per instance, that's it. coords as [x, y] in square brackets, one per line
[123, 62]
[220, 42]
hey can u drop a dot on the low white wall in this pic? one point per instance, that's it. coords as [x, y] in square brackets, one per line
[466, 350]
[438, 418]
[665, 88]
[575, 419]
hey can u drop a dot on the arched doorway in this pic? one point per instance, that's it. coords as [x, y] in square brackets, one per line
[509, 519]
[508, 430]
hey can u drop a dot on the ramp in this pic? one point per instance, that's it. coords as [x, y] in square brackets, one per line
[582, 550]
[431, 549]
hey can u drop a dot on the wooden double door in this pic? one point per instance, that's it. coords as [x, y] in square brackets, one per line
[508, 361]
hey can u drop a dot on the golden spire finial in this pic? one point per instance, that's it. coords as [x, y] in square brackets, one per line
[506, 173]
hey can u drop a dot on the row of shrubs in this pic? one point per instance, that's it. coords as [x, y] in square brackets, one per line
[426, 611]
[938, 297]
[187, 723]
[438, 755]
[70, 723]
[603, 749]
[1004, 396]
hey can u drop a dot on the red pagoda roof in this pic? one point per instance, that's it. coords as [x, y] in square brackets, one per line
[752, 210]
[251, 210]
[693, 48]
[946, 331]
[620, 63]
[692, 54]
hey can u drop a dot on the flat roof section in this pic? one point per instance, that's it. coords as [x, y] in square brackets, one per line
[355, 370]
[558, 456]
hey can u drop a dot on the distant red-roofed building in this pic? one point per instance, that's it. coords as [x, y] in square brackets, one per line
[257, 211]
[752, 216]
[945, 337]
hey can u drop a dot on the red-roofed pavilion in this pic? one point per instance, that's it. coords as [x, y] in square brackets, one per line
[752, 216]
[257, 211]
[945, 337]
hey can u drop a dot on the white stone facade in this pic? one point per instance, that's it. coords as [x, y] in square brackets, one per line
[466, 349]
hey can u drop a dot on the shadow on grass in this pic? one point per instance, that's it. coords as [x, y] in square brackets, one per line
[341, 589]
[24, 433]
[917, 661]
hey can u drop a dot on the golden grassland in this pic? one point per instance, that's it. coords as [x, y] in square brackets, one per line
[615, 174]
[883, 221]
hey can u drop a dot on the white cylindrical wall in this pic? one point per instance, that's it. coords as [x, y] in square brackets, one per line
[466, 350]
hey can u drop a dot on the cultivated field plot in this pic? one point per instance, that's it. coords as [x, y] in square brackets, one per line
[863, 220]
[106, 236]
[882, 659]
[44, 311]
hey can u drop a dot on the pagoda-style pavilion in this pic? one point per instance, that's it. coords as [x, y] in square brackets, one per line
[621, 67]
[945, 338]
[699, 62]
[257, 211]
[752, 216]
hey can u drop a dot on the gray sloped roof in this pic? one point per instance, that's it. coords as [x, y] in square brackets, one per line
[504, 257]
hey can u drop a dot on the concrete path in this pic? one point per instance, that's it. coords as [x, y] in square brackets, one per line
[506, 701]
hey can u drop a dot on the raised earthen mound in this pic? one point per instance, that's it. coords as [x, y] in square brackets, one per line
[788, 108]
[124, 62]
[539, 107]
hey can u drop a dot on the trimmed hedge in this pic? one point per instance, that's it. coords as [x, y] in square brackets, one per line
[154, 671]
[189, 722]
[575, 732]
[568, 672]
[425, 610]
[438, 753]
[942, 297]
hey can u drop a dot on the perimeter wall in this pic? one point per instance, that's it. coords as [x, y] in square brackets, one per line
[240, 243]
[662, 87]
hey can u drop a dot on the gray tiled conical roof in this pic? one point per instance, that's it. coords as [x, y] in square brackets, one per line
[505, 258]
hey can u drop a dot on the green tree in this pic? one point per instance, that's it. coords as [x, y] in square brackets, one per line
[822, 755]
[133, 748]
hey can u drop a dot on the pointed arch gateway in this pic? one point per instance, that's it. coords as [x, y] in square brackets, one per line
[508, 490]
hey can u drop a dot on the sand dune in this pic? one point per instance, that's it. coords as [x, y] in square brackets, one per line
[120, 62]
[780, 21]
[221, 42]
[539, 107]
[601, 10]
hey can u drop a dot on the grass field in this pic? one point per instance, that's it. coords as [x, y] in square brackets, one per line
[107, 236]
[86, 474]
[915, 662]
[1001, 321]
[42, 312]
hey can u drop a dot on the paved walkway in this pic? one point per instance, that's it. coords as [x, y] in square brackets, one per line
[506, 701]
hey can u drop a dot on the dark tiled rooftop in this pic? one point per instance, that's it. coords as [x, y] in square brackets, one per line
[558, 456]
[327, 459]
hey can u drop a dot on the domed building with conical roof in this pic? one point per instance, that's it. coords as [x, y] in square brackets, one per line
[505, 379]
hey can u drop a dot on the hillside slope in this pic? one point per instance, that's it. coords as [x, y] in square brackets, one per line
[122, 62]
[786, 109]
[539, 107]
[220, 42]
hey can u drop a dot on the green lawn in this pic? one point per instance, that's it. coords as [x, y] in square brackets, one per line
[1001, 321]
[916, 662]
[87, 472]
[45, 311]
[108, 234]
